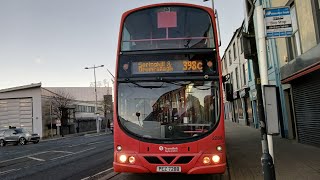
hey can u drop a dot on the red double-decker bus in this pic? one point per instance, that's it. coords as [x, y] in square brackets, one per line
[168, 113]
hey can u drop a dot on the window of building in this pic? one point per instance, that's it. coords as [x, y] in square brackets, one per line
[230, 60]
[316, 14]
[231, 78]
[294, 45]
[249, 71]
[237, 78]
[244, 74]
[225, 64]
[240, 109]
[234, 51]
[241, 46]
[91, 109]
[222, 65]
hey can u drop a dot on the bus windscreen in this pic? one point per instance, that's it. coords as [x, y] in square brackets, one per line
[167, 27]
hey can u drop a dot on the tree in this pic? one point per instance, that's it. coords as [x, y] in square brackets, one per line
[107, 106]
[61, 104]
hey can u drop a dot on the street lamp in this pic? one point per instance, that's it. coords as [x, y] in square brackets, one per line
[212, 3]
[95, 91]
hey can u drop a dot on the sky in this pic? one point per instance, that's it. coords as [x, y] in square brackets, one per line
[52, 41]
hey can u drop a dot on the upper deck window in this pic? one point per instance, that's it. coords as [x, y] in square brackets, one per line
[173, 27]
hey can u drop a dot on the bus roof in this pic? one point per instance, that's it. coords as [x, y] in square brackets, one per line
[125, 14]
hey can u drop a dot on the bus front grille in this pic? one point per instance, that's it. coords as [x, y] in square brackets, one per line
[153, 159]
[168, 159]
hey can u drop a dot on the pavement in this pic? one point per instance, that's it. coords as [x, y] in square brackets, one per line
[293, 160]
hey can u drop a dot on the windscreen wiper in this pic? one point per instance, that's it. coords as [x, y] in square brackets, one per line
[142, 86]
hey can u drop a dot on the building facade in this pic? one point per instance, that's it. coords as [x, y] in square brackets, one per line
[37, 108]
[293, 67]
[241, 108]
[299, 65]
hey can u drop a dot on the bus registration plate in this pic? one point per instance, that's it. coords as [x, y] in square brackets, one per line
[168, 169]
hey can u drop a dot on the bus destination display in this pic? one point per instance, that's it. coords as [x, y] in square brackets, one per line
[174, 66]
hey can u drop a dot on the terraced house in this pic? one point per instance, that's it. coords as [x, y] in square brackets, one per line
[293, 66]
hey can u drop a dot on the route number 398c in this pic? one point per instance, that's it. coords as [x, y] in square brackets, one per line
[192, 65]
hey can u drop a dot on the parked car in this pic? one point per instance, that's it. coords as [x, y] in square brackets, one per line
[17, 136]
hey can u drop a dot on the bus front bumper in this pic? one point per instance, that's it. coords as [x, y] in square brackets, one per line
[208, 169]
[119, 167]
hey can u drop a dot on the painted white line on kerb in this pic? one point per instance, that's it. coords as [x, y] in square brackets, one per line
[73, 153]
[37, 159]
[8, 171]
[97, 174]
[94, 135]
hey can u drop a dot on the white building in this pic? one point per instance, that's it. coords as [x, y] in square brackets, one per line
[29, 106]
[239, 109]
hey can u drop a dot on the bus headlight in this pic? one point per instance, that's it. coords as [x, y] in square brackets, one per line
[123, 158]
[219, 148]
[119, 148]
[132, 160]
[206, 160]
[216, 159]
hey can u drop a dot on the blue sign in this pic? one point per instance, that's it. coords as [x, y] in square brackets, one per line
[278, 22]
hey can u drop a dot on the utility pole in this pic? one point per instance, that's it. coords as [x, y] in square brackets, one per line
[212, 3]
[263, 66]
[261, 78]
[51, 118]
[96, 96]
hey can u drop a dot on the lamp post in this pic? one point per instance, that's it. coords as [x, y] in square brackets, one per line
[212, 3]
[95, 91]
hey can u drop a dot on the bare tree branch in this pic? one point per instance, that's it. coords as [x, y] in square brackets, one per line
[61, 101]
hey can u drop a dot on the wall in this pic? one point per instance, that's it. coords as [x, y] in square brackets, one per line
[35, 94]
[306, 25]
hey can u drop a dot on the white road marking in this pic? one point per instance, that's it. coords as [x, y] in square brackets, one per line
[94, 135]
[24, 156]
[27, 156]
[63, 152]
[8, 171]
[73, 153]
[77, 145]
[37, 159]
[95, 142]
[97, 174]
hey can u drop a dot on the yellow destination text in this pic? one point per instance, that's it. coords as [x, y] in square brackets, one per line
[155, 66]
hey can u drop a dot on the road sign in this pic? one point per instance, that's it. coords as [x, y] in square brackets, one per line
[58, 122]
[278, 22]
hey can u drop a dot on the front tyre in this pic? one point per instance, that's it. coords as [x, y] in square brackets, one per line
[2, 143]
[35, 142]
[22, 141]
